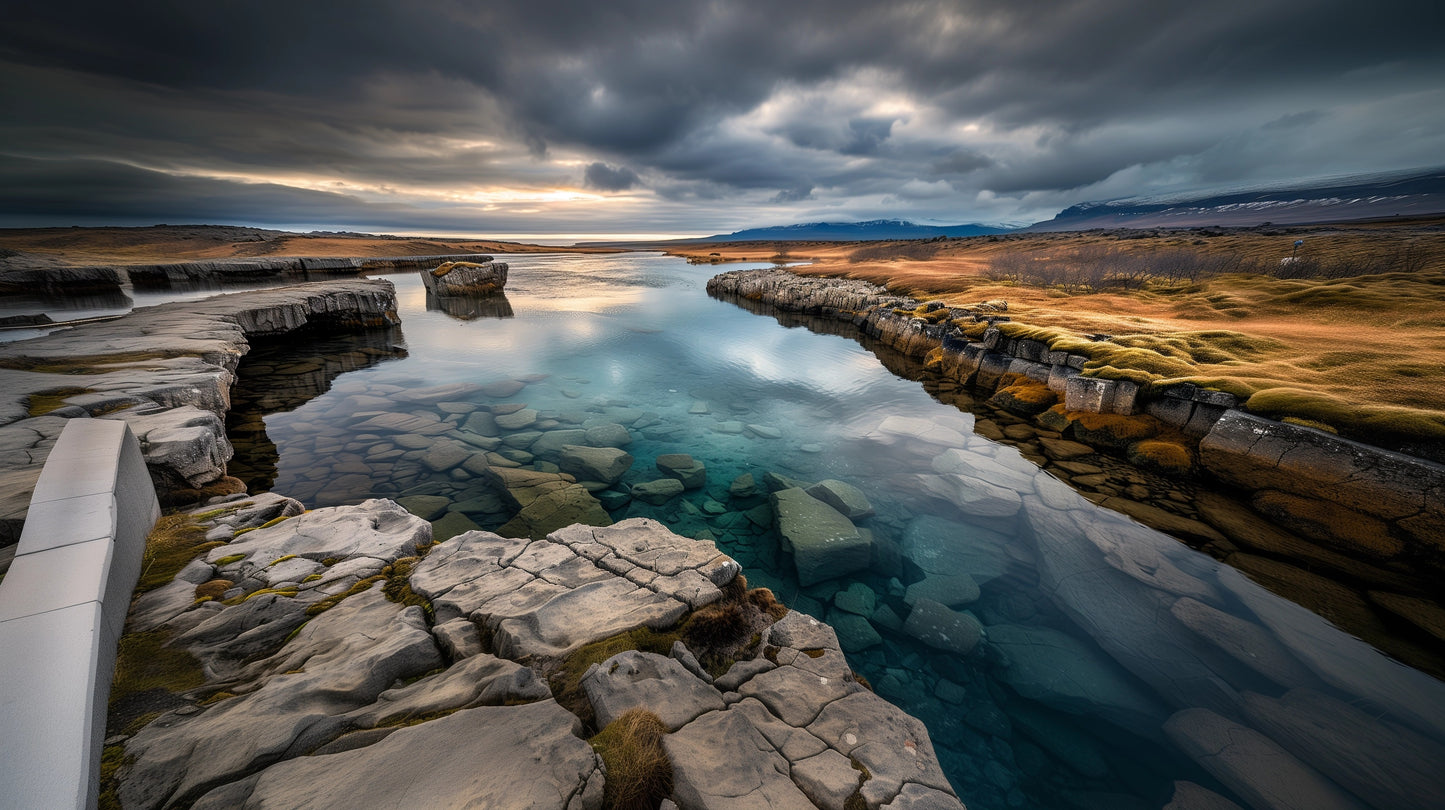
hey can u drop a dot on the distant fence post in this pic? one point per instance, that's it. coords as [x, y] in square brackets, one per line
[62, 609]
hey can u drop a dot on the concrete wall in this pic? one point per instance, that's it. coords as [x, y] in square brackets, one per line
[62, 608]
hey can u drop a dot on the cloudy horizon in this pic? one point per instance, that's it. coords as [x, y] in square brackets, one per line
[662, 118]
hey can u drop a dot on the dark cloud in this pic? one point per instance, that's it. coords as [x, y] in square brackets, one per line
[728, 107]
[602, 177]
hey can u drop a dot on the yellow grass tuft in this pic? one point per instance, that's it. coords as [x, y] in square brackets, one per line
[639, 774]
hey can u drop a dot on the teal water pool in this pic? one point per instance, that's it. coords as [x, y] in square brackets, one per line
[1061, 655]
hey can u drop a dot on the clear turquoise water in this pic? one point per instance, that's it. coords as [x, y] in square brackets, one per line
[1103, 643]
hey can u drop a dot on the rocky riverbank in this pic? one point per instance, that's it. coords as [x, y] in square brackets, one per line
[305, 657]
[167, 371]
[1348, 529]
[93, 278]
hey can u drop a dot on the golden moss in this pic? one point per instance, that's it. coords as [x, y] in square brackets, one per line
[213, 589]
[332, 601]
[282, 559]
[1025, 396]
[1114, 430]
[173, 542]
[639, 773]
[1372, 423]
[1167, 457]
[230, 558]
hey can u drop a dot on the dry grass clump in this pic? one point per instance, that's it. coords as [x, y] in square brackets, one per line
[566, 680]
[639, 774]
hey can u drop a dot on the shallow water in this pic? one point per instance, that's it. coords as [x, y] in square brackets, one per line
[1113, 659]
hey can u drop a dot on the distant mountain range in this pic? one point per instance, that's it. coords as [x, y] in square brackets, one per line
[872, 230]
[1350, 198]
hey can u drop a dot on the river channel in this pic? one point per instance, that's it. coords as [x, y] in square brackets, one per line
[1061, 655]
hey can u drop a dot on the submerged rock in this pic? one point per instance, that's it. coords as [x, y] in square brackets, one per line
[824, 543]
[691, 472]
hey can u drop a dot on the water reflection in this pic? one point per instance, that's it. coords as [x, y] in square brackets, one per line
[279, 375]
[470, 307]
[1061, 655]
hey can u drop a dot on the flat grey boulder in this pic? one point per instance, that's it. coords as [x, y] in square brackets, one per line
[825, 543]
[605, 464]
[658, 492]
[513, 756]
[691, 472]
[844, 497]
[379, 529]
[481, 680]
[578, 585]
[640, 680]
[340, 661]
[1254, 766]
[608, 434]
[720, 762]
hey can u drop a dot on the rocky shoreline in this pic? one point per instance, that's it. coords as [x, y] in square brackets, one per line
[310, 651]
[167, 372]
[1353, 531]
[109, 277]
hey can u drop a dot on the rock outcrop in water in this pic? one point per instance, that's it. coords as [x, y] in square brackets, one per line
[166, 370]
[346, 656]
[482, 277]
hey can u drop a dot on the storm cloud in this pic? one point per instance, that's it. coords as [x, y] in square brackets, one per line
[676, 117]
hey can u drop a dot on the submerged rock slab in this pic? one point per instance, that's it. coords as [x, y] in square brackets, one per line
[825, 544]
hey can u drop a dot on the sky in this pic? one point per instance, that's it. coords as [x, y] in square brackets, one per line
[575, 119]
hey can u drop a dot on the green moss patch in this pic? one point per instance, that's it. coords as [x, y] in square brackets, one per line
[173, 542]
[43, 402]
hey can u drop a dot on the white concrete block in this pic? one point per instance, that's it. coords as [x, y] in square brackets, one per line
[58, 578]
[66, 521]
[52, 707]
[84, 461]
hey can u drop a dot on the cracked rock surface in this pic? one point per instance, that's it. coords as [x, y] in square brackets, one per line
[349, 657]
